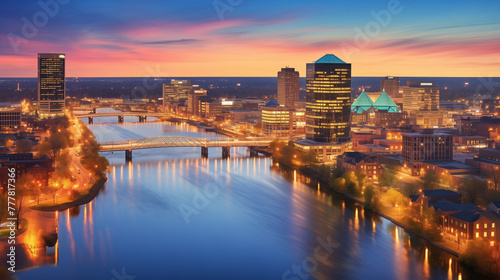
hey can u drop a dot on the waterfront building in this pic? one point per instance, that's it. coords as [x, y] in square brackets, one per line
[424, 146]
[288, 87]
[192, 99]
[176, 94]
[356, 161]
[328, 97]
[328, 108]
[279, 121]
[51, 84]
[39, 169]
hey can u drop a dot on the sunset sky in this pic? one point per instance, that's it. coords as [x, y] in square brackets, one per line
[159, 38]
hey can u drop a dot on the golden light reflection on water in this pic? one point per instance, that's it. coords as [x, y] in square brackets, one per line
[70, 235]
[427, 271]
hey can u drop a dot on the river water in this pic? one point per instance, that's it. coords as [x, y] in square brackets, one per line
[171, 215]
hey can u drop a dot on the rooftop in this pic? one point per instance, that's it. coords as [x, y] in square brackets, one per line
[329, 58]
[440, 192]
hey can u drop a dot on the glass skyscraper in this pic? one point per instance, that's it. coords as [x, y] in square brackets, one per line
[328, 100]
[51, 84]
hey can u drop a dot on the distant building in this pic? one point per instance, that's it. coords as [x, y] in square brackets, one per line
[51, 84]
[288, 87]
[39, 169]
[425, 146]
[421, 102]
[391, 86]
[278, 121]
[382, 112]
[10, 119]
[488, 127]
[192, 99]
[420, 96]
[328, 97]
[176, 94]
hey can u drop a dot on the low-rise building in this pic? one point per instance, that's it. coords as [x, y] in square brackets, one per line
[39, 169]
[469, 225]
[355, 161]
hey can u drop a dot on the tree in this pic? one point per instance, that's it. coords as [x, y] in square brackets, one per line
[495, 178]
[479, 257]
[372, 198]
[24, 146]
[393, 197]
[309, 158]
[430, 180]
[388, 177]
[472, 189]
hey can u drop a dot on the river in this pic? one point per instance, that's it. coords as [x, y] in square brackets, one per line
[171, 215]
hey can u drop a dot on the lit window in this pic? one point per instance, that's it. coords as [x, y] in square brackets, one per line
[485, 225]
[477, 226]
[492, 243]
[485, 234]
[477, 234]
[492, 233]
[493, 225]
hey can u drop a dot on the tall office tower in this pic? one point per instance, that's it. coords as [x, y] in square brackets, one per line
[328, 100]
[176, 94]
[420, 96]
[391, 86]
[51, 84]
[288, 87]
[193, 97]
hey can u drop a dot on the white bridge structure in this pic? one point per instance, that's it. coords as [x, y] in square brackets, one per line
[183, 141]
[121, 115]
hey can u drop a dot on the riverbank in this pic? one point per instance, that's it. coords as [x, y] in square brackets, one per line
[386, 214]
[93, 191]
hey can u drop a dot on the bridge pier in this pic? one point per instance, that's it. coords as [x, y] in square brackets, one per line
[204, 152]
[142, 119]
[94, 110]
[128, 155]
[226, 152]
[121, 119]
[253, 152]
[91, 120]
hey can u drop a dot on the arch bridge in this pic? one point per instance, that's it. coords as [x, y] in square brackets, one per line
[183, 141]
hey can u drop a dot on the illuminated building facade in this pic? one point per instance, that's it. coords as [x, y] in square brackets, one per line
[176, 94]
[391, 86]
[425, 146]
[328, 100]
[10, 119]
[51, 84]
[288, 87]
[276, 120]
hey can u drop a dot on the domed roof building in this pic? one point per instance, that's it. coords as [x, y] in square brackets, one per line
[272, 103]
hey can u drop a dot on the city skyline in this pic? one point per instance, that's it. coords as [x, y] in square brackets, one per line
[195, 39]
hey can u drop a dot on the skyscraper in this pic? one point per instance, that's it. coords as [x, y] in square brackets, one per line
[328, 100]
[391, 86]
[288, 87]
[176, 94]
[51, 84]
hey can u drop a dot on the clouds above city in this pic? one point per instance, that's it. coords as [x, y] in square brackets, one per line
[251, 38]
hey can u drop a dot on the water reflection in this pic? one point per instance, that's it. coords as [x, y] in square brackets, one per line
[262, 216]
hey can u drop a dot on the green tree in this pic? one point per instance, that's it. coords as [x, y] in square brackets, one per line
[372, 198]
[388, 177]
[479, 257]
[430, 180]
[472, 189]
[309, 158]
[393, 197]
